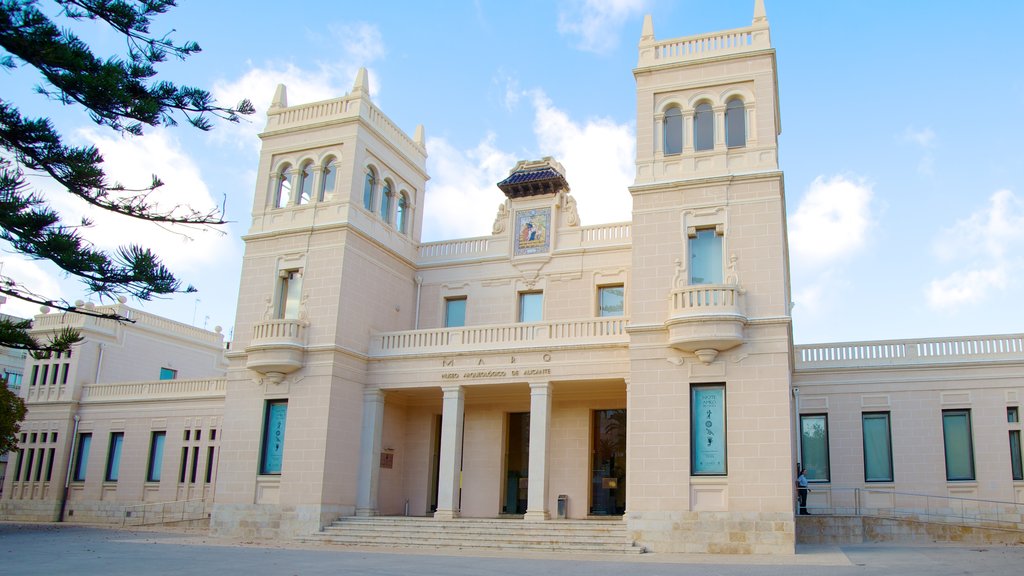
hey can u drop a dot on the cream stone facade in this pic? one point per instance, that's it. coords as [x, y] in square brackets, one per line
[641, 370]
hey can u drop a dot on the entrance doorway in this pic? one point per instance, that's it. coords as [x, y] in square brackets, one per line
[517, 463]
[608, 463]
[435, 464]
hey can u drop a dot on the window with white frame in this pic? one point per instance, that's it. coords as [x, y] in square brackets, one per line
[329, 175]
[877, 447]
[531, 306]
[283, 194]
[289, 296]
[705, 247]
[703, 127]
[958, 444]
[814, 446]
[611, 300]
[672, 131]
[455, 312]
[735, 123]
[386, 197]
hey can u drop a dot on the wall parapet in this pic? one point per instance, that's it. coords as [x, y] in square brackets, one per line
[155, 390]
[700, 46]
[59, 321]
[912, 352]
[584, 332]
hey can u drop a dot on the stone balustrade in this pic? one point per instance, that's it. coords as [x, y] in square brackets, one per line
[736, 41]
[706, 319]
[155, 390]
[584, 332]
[909, 352]
[59, 321]
[277, 346]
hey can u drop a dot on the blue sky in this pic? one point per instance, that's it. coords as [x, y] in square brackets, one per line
[900, 143]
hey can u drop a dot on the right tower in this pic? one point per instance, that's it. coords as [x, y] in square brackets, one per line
[710, 431]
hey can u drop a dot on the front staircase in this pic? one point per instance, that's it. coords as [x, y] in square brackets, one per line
[467, 534]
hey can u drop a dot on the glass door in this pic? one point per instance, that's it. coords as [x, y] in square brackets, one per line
[608, 463]
[517, 463]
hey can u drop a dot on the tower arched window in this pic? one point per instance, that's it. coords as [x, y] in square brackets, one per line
[385, 202]
[735, 123]
[402, 215]
[672, 129]
[703, 127]
[330, 172]
[283, 194]
[368, 186]
[305, 183]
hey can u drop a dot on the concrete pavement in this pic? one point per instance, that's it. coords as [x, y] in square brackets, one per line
[45, 549]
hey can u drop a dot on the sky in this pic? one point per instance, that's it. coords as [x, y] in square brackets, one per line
[901, 124]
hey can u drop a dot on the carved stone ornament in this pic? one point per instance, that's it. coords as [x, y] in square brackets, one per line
[501, 219]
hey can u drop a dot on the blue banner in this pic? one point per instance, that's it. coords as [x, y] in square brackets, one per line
[273, 441]
[708, 429]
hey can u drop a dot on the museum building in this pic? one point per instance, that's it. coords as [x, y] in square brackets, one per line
[642, 370]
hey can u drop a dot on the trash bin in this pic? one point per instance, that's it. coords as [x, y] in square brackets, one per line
[563, 506]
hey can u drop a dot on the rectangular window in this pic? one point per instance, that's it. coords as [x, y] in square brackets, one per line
[956, 437]
[1015, 455]
[156, 456]
[82, 456]
[1012, 415]
[183, 468]
[35, 374]
[289, 294]
[814, 446]
[114, 456]
[705, 256]
[49, 464]
[28, 464]
[17, 467]
[455, 312]
[41, 453]
[707, 430]
[53, 376]
[195, 464]
[877, 447]
[273, 437]
[531, 306]
[46, 370]
[209, 464]
[611, 300]
[168, 374]
[64, 374]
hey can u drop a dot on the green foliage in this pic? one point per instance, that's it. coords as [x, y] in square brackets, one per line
[118, 92]
[12, 412]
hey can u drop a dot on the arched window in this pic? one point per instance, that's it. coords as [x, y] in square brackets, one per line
[305, 183]
[735, 124]
[704, 127]
[327, 180]
[371, 183]
[385, 202]
[283, 194]
[402, 217]
[672, 129]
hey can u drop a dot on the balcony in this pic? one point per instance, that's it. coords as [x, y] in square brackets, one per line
[277, 347]
[706, 319]
[536, 335]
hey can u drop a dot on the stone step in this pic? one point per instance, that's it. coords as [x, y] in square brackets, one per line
[585, 536]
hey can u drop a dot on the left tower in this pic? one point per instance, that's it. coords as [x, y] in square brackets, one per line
[337, 209]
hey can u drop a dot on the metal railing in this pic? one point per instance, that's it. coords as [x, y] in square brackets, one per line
[164, 512]
[841, 501]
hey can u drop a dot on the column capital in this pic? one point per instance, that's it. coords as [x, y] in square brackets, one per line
[452, 391]
[536, 387]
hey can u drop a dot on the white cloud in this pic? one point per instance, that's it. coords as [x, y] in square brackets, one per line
[831, 221]
[361, 44]
[598, 157]
[925, 137]
[30, 274]
[596, 23]
[132, 162]
[987, 243]
[462, 198]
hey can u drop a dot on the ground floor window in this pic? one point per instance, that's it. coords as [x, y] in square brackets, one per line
[814, 446]
[272, 453]
[608, 465]
[707, 430]
[1015, 455]
[877, 447]
[956, 437]
[82, 457]
[114, 456]
[156, 456]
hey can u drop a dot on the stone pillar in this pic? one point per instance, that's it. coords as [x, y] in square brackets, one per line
[369, 453]
[450, 468]
[540, 426]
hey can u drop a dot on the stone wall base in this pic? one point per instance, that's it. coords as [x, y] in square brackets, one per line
[270, 521]
[713, 532]
[859, 529]
[29, 510]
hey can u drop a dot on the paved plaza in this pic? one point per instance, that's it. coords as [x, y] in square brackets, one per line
[69, 549]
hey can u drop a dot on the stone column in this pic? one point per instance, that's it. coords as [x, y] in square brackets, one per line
[450, 468]
[369, 453]
[540, 426]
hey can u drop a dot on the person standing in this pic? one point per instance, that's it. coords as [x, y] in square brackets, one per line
[801, 490]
